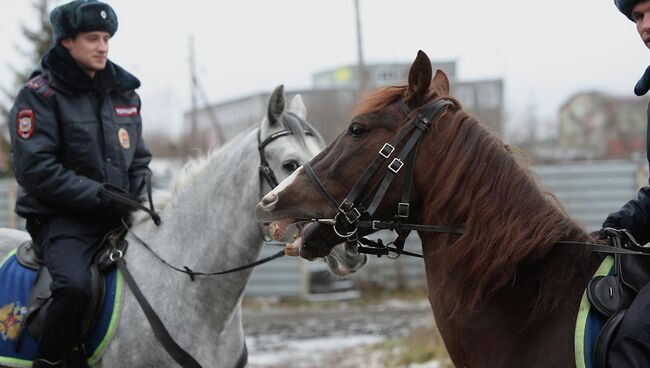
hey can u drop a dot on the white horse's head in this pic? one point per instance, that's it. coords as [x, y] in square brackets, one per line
[287, 141]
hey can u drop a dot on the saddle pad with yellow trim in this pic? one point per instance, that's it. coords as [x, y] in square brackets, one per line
[589, 323]
[15, 283]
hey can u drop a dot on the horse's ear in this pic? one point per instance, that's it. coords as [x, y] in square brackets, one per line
[276, 105]
[298, 107]
[440, 83]
[419, 78]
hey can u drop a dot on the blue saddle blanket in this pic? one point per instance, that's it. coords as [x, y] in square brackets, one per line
[15, 283]
[589, 323]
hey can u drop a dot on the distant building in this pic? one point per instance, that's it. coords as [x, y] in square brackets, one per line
[334, 94]
[594, 125]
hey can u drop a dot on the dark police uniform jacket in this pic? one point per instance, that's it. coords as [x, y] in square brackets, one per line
[635, 214]
[70, 133]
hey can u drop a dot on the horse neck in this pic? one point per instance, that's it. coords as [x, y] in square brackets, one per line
[209, 225]
[216, 206]
[504, 273]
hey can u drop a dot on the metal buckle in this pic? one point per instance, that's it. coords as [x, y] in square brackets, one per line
[423, 119]
[374, 225]
[395, 165]
[266, 170]
[403, 210]
[115, 254]
[386, 150]
[342, 234]
[356, 214]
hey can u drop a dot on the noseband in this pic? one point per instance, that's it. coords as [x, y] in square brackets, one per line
[347, 221]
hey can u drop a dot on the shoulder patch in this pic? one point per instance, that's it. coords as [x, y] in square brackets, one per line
[25, 123]
[37, 82]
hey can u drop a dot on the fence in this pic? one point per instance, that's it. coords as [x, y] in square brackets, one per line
[588, 191]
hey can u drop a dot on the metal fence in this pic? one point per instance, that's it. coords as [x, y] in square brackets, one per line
[588, 191]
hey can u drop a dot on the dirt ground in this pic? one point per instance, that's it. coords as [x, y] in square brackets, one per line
[343, 334]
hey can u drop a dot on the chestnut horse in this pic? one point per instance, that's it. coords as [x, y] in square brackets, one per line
[503, 294]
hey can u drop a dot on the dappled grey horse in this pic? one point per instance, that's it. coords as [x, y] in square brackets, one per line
[208, 224]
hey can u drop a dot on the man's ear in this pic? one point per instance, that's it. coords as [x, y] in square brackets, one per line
[67, 43]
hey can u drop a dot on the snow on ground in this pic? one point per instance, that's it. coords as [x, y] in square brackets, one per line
[345, 337]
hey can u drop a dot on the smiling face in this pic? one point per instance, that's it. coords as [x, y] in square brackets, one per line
[641, 16]
[340, 165]
[89, 50]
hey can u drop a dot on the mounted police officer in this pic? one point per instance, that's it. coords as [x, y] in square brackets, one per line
[631, 346]
[75, 125]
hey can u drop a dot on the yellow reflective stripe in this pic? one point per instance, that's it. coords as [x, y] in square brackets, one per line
[583, 311]
[112, 326]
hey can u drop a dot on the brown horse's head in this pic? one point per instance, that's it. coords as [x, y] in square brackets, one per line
[376, 121]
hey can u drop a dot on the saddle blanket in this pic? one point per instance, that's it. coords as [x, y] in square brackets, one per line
[15, 283]
[589, 323]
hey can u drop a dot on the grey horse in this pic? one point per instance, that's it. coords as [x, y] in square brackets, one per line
[208, 224]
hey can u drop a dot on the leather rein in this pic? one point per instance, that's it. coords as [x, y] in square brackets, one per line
[116, 253]
[352, 215]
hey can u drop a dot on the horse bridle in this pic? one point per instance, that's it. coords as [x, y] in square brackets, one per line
[351, 210]
[265, 170]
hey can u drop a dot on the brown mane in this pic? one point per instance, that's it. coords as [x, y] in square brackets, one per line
[379, 99]
[510, 223]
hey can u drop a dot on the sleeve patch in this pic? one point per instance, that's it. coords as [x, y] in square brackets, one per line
[25, 123]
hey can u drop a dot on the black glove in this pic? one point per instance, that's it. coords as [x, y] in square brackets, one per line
[599, 236]
[111, 205]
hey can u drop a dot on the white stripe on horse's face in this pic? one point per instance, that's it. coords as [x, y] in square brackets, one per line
[286, 182]
[314, 146]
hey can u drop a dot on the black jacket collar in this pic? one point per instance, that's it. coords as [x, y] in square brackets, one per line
[60, 64]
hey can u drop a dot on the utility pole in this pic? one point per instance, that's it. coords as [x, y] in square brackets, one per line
[361, 67]
[198, 91]
[193, 89]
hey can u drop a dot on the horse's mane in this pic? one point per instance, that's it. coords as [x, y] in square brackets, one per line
[191, 169]
[195, 166]
[510, 222]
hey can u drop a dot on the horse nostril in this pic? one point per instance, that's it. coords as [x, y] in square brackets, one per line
[269, 199]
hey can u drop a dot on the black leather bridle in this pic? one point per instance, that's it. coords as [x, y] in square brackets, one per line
[352, 214]
[265, 170]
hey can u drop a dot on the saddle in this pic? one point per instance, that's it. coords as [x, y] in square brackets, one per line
[40, 296]
[612, 295]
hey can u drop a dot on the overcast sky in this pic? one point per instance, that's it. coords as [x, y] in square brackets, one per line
[544, 50]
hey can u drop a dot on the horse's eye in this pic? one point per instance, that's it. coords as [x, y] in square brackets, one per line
[356, 131]
[290, 165]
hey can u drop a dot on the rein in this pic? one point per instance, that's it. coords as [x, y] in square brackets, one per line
[347, 221]
[351, 215]
[193, 274]
[116, 255]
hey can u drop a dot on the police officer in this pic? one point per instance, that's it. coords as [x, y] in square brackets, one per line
[75, 125]
[631, 346]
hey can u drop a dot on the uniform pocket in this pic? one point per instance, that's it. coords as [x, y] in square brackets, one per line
[84, 137]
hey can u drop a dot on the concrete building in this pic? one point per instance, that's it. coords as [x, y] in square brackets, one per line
[594, 125]
[334, 94]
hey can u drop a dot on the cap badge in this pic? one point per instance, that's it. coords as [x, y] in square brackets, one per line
[103, 14]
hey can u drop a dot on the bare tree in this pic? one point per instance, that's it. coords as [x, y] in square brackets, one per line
[38, 39]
